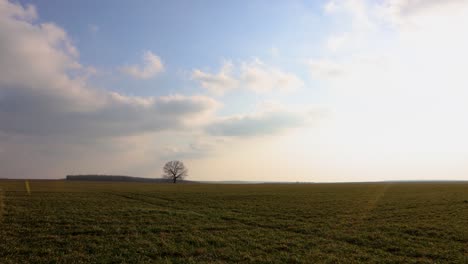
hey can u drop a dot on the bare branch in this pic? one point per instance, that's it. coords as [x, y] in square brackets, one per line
[175, 170]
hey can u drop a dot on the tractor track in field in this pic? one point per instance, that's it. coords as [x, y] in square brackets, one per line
[158, 205]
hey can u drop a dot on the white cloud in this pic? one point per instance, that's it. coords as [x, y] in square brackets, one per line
[326, 68]
[217, 83]
[335, 42]
[152, 65]
[333, 69]
[365, 15]
[254, 75]
[353, 23]
[330, 6]
[198, 148]
[11, 11]
[402, 10]
[261, 78]
[270, 118]
[39, 62]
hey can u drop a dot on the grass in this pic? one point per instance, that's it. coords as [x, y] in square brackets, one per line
[83, 222]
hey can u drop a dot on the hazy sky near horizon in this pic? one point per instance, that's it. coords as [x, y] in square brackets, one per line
[350, 90]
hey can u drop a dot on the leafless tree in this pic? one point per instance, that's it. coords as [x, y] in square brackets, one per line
[175, 170]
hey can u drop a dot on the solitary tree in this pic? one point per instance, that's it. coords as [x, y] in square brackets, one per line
[175, 170]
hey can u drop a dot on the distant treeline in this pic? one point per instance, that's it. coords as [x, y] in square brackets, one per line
[116, 178]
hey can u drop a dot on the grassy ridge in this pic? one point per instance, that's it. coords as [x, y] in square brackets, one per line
[139, 222]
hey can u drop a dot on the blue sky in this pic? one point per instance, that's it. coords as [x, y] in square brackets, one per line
[189, 35]
[185, 32]
[350, 90]
[186, 35]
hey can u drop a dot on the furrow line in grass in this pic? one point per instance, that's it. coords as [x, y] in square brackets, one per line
[159, 198]
[166, 208]
[134, 199]
[316, 234]
[296, 232]
[165, 200]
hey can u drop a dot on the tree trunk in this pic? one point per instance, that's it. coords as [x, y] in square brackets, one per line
[174, 179]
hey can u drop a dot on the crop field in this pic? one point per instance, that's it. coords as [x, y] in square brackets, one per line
[104, 222]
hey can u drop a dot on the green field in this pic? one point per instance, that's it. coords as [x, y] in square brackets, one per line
[82, 222]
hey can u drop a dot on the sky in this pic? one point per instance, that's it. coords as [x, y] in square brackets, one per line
[308, 91]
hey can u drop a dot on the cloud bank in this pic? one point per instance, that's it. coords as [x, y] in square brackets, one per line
[43, 92]
[260, 123]
[52, 118]
[48, 109]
